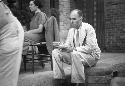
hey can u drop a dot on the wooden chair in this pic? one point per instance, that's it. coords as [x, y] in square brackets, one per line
[51, 35]
[33, 57]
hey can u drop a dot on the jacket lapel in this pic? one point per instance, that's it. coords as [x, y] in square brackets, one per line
[82, 34]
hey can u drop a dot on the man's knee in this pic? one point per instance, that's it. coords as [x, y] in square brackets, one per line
[74, 54]
[55, 51]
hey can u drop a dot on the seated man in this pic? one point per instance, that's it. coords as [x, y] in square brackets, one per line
[79, 50]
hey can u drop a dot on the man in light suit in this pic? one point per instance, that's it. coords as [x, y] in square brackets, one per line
[80, 49]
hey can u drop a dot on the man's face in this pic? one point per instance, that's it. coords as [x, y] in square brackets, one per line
[75, 20]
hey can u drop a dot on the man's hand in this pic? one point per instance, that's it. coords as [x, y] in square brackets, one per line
[56, 44]
[67, 49]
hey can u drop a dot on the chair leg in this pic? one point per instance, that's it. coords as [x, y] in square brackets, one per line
[51, 62]
[33, 59]
[24, 62]
[43, 65]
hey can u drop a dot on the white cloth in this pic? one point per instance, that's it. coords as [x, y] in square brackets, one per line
[11, 43]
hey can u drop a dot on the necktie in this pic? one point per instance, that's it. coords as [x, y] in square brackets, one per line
[77, 38]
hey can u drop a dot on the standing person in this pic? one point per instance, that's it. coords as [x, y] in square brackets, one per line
[79, 50]
[11, 43]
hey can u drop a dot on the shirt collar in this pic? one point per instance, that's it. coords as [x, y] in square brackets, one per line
[38, 10]
[79, 28]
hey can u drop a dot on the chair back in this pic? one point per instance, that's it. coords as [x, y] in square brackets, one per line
[51, 33]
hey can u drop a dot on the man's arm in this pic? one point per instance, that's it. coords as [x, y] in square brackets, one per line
[91, 41]
[68, 39]
[66, 47]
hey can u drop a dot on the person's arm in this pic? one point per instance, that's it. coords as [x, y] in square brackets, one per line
[91, 41]
[68, 39]
[38, 30]
[67, 45]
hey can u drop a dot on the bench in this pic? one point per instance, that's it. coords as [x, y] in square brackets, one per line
[105, 70]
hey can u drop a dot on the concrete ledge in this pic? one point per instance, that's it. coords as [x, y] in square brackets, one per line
[118, 81]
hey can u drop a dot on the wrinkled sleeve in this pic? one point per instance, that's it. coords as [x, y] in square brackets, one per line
[42, 18]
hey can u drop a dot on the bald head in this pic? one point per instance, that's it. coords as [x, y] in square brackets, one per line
[76, 18]
[77, 12]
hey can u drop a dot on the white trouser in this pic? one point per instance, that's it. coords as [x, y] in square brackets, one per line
[77, 61]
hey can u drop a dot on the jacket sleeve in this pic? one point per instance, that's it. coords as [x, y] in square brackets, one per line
[91, 41]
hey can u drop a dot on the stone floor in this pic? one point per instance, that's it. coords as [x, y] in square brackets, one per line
[37, 68]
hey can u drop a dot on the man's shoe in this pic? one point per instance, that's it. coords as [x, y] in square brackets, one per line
[59, 82]
[78, 84]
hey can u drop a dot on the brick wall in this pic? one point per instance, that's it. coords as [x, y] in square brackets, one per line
[64, 9]
[114, 22]
[46, 7]
[114, 25]
[56, 6]
[65, 6]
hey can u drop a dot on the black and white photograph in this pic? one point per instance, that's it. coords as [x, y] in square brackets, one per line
[62, 42]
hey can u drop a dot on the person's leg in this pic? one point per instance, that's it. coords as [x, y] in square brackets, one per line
[79, 60]
[77, 69]
[58, 58]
